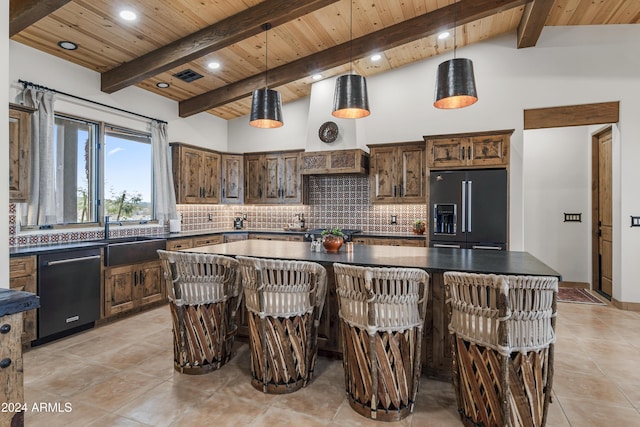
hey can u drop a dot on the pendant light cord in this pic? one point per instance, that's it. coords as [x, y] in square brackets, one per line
[350, 36]
[266, 28]
[455, 29]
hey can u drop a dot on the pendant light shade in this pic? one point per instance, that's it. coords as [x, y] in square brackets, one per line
[455, 84]
[266, 109]
[266, 106]
[350, 100]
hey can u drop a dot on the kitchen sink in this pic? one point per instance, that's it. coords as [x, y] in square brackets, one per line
[131, 250]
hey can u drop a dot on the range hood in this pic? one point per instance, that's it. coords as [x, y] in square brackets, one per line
[353, 161]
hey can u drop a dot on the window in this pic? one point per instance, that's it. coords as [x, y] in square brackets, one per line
[94, 162]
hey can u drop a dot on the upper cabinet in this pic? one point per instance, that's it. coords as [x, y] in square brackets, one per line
[196, 174]
[476, 150]
[19, 152]
[397, 173]
[273, 177]
[353, 161]
[232, 176]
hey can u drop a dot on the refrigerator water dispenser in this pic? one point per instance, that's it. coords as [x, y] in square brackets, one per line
[444, 218]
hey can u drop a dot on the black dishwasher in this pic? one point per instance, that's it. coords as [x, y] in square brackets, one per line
[69, 290]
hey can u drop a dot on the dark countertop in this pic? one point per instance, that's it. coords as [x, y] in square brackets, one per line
[431, 259]
[12, 301]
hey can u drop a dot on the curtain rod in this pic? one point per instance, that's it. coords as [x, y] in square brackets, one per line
[37, 86]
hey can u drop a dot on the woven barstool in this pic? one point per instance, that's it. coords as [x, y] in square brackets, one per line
[204, 294]
[503, 333]
[382, 313]
[284, 300]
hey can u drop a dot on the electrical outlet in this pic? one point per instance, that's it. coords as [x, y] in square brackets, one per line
[394, 219]
[244, 216]
[210, 217]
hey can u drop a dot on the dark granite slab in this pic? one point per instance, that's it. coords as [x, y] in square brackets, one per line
[430, 259]
[12, 302]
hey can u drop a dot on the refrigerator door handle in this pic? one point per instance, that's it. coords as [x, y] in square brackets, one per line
[442, 245]
[470, 184]
[464, 206]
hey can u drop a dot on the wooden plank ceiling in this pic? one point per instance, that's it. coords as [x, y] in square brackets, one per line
[307, 37]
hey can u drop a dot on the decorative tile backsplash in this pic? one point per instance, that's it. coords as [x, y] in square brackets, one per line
[334, 201]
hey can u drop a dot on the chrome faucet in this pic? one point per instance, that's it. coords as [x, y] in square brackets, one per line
[106, 226]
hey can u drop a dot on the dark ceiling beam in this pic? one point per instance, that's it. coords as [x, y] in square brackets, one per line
[23, 13]
[387, 38]
[217, 36]
[532, 22]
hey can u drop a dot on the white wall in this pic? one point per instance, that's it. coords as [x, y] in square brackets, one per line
[4, 144]
[29, 64]
[557, 180]
[569, 65]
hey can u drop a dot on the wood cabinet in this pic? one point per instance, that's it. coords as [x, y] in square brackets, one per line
[234, 237]
[19, 152]
[397, 173]
[196, 174]
[23, 276]
[477, 150]
[11, 376]
[133, 286]
[232, 179]
[353, 161]
[194, 242]
[277, 236]
[390, 241]
[273, 178]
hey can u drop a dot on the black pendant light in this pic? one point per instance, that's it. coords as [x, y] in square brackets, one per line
[266, 106]
[350, 100]
[455, 82]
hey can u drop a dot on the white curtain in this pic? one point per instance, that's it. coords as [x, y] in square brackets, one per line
[41, 207]
[164, 194]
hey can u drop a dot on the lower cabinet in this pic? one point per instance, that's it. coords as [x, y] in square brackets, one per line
[276, 236]
[194, 242]
[11, 372]
[390, 241]
[132, 286]
[23, 276]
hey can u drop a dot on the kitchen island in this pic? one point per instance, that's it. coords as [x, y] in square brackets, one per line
[436, 349]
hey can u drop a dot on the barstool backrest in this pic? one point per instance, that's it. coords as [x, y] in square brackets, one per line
[382, 299]
[505, 313]
[282, 288]
[198, 278]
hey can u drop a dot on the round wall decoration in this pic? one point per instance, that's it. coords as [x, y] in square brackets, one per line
[328, 132]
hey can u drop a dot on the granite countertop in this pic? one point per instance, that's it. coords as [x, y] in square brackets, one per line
[430, 259]
[12, 301]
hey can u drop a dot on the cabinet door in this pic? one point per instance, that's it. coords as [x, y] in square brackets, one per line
[19, 155]
[411, 171]
[176, 245]
[149, 283]
[253, 182]
[23, 277]
[291, 177]
[119, 292]
[189, 179]
[11, 376]
[382, 174]
[447, 152]
[210, 177]
[490, 150]
[232, 177]
[273, 165]
[209, 240]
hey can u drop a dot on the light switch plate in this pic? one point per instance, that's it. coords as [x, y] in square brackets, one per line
[572, 217]
[635, 221]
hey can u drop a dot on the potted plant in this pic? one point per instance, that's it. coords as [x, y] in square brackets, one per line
[419, 226]
[332, 239]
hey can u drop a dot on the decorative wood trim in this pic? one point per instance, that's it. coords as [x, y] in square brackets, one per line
[572, 115]
[470, 134]
[23, 13]
[217, 36]
[413, 29]
[532, 22]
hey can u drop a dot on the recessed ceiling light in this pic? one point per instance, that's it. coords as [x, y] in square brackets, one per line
[316, 76]
[65, 44]
[213, 65]
[162, 85]
[128, 15]
[376, 57]
[443, 35]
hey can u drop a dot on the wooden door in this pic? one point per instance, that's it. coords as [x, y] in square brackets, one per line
[272, 178]
[232, 177]
[210, 177]
[291, 176]
[603, 212]
[489, 150]
[447, 152]
[119, 291]
[190, 183]
[150, 283]
[411, 171]
[382, 173]
[19, 154]
[253, 179]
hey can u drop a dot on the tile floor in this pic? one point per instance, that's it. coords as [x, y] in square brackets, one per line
[121, 374]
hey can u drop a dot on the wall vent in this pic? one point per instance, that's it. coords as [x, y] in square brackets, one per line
[188, 75]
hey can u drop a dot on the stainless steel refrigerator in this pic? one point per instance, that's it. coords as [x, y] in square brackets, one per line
[468, 209]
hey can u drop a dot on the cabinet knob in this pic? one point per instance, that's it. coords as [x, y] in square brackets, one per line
[5, 363]
[5, 329]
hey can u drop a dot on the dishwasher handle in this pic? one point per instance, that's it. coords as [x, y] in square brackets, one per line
[70, 260]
